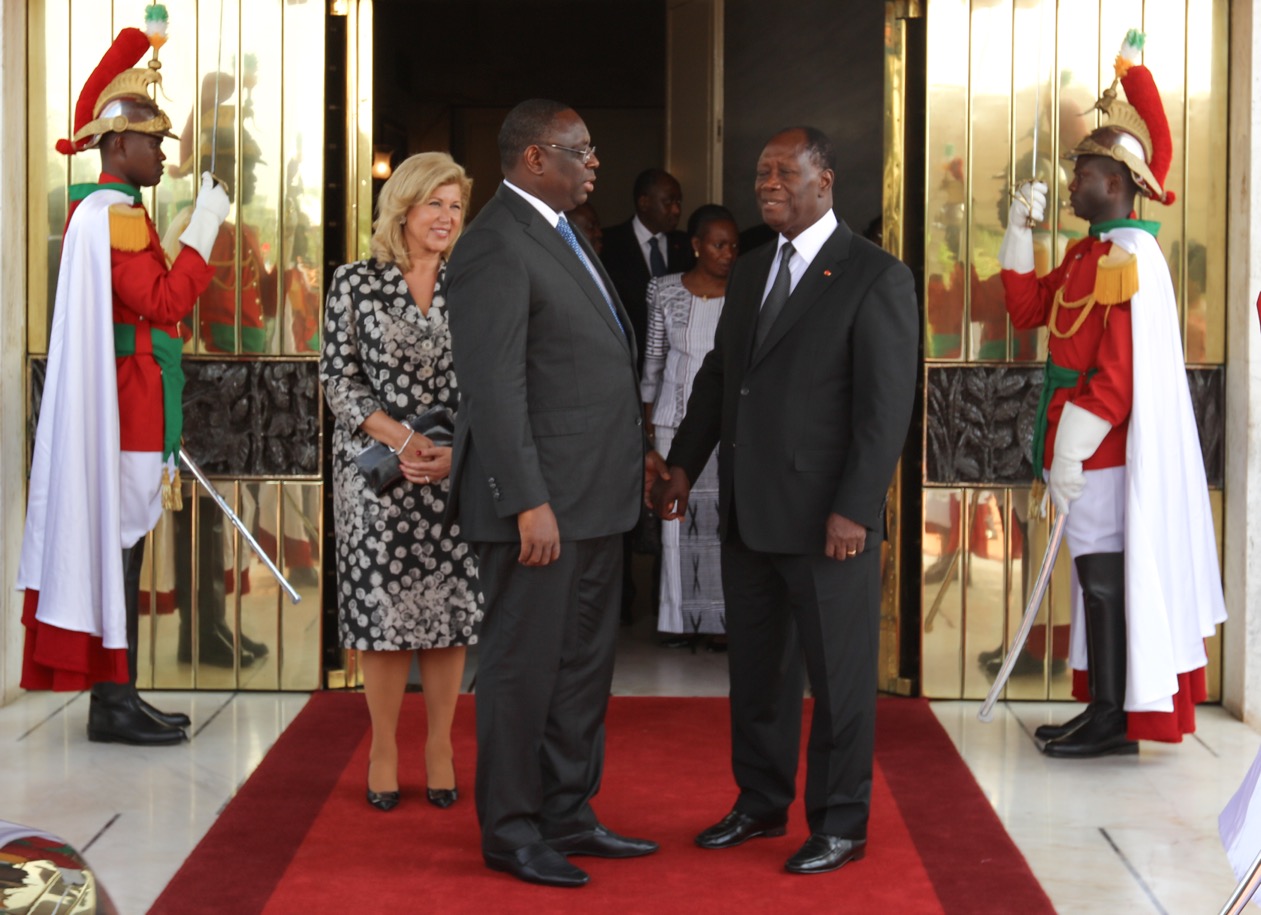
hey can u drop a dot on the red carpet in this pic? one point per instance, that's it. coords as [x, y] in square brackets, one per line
[299, 836]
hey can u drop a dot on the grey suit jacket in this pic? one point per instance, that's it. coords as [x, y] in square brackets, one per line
[549, 398]
[814, 421]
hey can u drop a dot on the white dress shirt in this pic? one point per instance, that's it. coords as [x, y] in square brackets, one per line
[644, 237]
[805, 246]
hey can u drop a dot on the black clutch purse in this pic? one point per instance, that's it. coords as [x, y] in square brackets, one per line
[379, 465]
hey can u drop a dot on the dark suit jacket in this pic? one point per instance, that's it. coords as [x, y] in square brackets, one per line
[814, 421]
[626, 265]
[549, 395]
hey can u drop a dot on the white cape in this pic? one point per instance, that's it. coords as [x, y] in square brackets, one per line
[1173, 586]
[75, 517]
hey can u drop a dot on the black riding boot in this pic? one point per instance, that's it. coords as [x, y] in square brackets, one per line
[1102, 577]
[116, 713]
[133, 563]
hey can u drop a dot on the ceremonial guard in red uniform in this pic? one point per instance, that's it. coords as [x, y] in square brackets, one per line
[105, 453]
[1117, 436]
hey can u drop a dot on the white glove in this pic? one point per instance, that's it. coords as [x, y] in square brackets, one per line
[1027, 205]
[1077, 437]
[208, 215]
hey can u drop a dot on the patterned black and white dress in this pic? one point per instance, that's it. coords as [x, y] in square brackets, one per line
[404, 579]
[680, 333]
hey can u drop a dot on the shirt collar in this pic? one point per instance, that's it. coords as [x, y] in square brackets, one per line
[808, 243]
[642, 232]
[545, 211]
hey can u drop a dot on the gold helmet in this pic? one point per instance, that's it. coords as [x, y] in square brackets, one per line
[117, 96]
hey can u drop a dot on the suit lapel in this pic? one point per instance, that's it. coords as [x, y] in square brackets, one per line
[749, 303]
[828, 267]
[549, 238]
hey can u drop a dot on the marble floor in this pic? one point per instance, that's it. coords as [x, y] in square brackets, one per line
[1136, 834]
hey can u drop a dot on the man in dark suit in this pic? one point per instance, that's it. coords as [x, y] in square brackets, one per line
[807, 394]
[647, 245]
[547, 475]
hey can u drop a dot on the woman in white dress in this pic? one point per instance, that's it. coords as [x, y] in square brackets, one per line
[683, 311]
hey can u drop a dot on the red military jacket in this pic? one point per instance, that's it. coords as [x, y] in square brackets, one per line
[147, 293]
[1100, 348]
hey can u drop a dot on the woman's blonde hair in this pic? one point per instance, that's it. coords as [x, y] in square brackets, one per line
[412, 183]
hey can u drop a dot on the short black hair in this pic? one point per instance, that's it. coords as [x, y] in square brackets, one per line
[646, 179]
[818, 144]
[703, 215]
[526, 125]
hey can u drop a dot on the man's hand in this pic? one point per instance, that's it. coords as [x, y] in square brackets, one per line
[208, 214]
[540, 537]
[1077, 437]
[1028, 206]
[845, 538]
[654, 469]
[669, 494]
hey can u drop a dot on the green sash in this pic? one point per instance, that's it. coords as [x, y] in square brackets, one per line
[168, 352]
[1054, 378]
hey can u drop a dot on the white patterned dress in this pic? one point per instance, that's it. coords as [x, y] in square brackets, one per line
[404, 579]
[680, 333]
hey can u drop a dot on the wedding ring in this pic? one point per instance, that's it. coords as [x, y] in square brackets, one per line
[426, 479]
[851, 553]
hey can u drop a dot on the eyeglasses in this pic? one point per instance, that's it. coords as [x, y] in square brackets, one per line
[583, 154]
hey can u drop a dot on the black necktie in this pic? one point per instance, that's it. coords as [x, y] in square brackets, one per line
[776, 298]
[656, 263]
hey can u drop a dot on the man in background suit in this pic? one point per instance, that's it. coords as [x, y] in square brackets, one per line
[633, 252]
[547, 475]
[629, 247]
[807, 394]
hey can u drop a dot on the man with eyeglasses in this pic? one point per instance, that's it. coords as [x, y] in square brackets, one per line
[547, 475]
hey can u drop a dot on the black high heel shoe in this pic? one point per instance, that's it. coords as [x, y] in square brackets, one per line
[442, 797]
[383, 800]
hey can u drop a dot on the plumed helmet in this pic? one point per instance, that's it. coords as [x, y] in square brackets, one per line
[117, 96]
[1137, 133]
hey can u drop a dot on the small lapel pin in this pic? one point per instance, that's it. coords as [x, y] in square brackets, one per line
[827, 272]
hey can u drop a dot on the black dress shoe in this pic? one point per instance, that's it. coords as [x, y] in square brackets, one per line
[1047, 732]
[736, 828]
[602, 843]
[170, 719]
[1101, 735]
[823, 853]
[383, 800]
[115, 716]
[442, 797]
[536, 863]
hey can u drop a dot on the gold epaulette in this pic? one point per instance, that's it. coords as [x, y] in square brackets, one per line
[128, 229]
[1116, 279]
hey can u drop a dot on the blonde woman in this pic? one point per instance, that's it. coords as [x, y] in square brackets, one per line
[405, 581]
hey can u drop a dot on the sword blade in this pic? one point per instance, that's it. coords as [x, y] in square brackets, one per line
[1244, 890]
[239, 525]
[1031, 613]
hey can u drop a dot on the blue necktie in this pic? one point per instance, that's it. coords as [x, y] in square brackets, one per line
[567, 232]
[656, 263]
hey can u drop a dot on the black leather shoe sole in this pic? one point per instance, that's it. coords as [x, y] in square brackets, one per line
[1058, 750]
